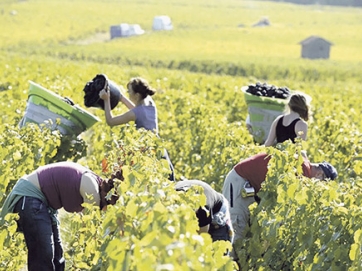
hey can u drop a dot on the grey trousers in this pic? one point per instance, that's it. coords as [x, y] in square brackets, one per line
[239, 206]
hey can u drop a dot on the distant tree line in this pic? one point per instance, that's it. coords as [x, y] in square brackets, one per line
[353, 3]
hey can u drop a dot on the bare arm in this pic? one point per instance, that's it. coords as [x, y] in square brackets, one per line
[301, 129]
[117, 120]
[127, 102]
[272, 133]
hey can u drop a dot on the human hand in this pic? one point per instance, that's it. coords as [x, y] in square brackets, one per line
[104, 95]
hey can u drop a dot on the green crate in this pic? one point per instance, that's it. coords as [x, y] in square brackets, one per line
[43, 105]
[262, 112]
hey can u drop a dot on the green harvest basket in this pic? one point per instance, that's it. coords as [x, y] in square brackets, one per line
[262, 112]
[44, 105]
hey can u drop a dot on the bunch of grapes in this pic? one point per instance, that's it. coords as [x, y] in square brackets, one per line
[265, 90]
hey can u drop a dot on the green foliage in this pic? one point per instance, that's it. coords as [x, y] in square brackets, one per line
[202, 126]
[300, 224]
[22, 150]
[12, 246]
[153, 235]
[143, 230]
[84, 237]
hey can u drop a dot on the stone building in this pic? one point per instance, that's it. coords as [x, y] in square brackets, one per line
[315, 47]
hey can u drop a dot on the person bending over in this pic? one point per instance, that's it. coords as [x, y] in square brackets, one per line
[251, 173]
[214, 217]
[37, 197]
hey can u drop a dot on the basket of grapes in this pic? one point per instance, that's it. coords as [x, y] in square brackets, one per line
[265, 102]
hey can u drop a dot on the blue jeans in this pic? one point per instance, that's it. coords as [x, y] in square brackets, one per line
[42, 238]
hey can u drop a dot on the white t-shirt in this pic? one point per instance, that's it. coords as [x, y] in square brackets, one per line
[89, 189]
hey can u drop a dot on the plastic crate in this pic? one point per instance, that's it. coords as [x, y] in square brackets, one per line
[44, 105]
[262, 112]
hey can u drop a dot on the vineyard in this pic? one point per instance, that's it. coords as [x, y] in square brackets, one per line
[198, 70]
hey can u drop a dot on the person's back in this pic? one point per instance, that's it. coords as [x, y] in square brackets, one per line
[254, 169]
[290, 125]
[251, 173]
[213, 218]
[146, 116]
[36, 198]
[60, 183]
[286, 132]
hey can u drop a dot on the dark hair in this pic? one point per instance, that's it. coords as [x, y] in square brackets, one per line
[141, 86]
[298, 104]
[329, 171]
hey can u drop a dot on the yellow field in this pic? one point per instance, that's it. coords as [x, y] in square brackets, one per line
[208, 30]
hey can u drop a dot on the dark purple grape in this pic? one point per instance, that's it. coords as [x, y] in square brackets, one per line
[265, 90]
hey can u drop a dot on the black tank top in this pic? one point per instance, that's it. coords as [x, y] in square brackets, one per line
[284, 133]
